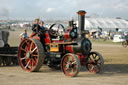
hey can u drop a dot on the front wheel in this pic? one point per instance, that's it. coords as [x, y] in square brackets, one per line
[70, 65]
[95, 62]
[31, 55]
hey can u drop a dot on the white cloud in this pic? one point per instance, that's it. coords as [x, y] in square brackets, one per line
[50, 10]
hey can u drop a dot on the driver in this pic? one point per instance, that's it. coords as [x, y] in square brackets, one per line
[42, 33]
[42, 25]
[35, 27]
[42, 30]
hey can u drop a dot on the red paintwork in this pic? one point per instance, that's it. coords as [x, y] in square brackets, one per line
[47, 38]
[33, 34]
[69, 48]
[82, 59]
[36, 37]
[66, 35]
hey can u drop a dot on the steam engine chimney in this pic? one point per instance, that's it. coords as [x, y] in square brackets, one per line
[81, 21]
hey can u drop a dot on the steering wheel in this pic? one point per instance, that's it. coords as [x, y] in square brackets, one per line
[53, 32]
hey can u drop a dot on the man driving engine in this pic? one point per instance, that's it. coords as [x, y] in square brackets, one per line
[35, 27]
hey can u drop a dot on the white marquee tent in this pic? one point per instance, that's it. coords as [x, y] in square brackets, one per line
[105, 23]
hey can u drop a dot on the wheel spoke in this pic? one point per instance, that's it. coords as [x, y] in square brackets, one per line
[92, 67]
[90, 61]
[23, 58]
[27, 44]
[35, 55]
[66, 62]
[27, 64]
[23, 49]
[31, 46]
[34, 49]
[95, 70]
[31, 63]
[94, 56]
[67, 69]
[65, 66]
[26, 48]
[99, 62]
[70, 59]
[34, 61]
[98, 58]
[74, 62]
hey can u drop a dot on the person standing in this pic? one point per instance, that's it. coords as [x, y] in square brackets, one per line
[24, 35]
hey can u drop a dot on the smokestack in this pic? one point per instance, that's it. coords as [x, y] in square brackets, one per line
[81, 21]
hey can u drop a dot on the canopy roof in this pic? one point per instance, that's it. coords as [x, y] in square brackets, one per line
[105, 23]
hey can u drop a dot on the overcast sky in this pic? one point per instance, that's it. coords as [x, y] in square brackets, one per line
[57, 9]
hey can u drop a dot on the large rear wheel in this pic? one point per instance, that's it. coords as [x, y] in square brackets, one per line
[70, 65]
[31, 55]
[95, 62]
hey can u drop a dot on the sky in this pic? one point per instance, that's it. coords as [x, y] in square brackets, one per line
[62, 9]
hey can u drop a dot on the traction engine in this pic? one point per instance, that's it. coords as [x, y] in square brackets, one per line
[68, 50]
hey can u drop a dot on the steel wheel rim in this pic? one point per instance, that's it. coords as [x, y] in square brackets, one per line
[95, 62]
[70, 66]
[28, 55]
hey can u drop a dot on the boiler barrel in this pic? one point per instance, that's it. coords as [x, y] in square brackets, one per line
[83, 46]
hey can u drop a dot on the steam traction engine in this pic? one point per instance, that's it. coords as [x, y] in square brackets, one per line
[70, 51]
